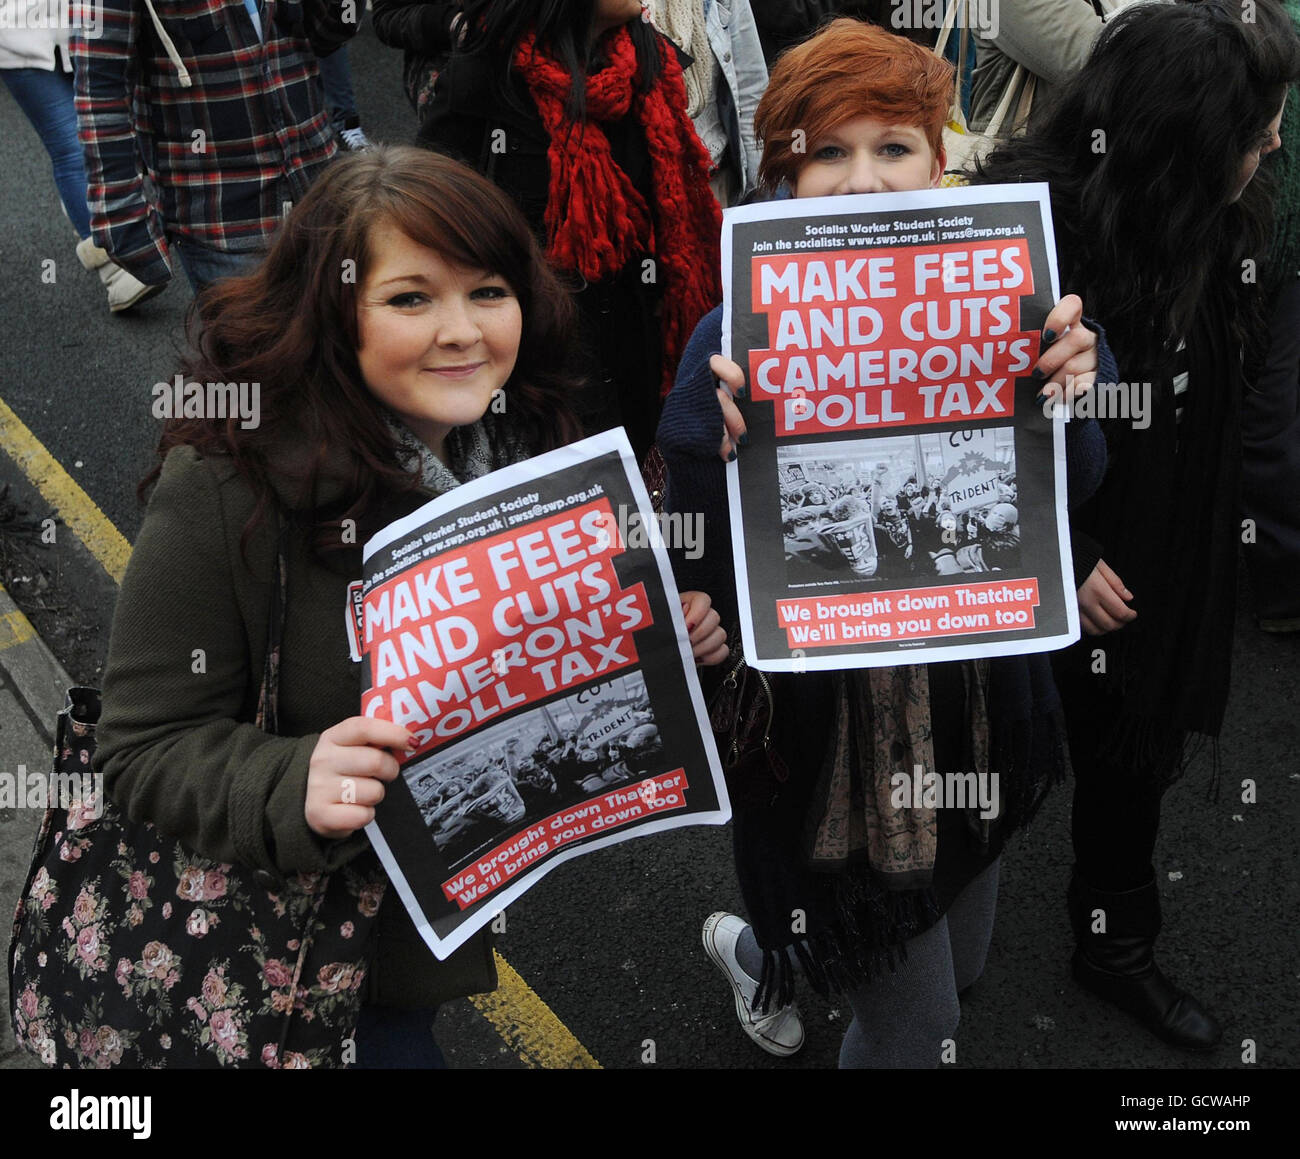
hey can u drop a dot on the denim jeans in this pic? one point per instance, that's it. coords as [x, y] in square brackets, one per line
[336, 79]
[46, 98]
[389, 1039]
[204, 265]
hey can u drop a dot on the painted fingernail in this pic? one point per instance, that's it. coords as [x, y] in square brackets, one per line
[743, 441]
[742, 393]
[731, 458]
[1049, 336]
[1037, 375]
[1042, 398]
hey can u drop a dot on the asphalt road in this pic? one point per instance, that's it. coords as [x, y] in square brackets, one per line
[612, 942]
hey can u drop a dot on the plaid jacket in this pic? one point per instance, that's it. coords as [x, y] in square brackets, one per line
[192, 126]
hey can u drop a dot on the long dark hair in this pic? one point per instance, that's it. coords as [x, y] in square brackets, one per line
[291, 326]
[563, 28]
[1144, 148]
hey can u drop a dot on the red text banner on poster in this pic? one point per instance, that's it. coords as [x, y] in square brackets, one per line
[598, 815]
[918, 613]
[921, 334]
[504, 621]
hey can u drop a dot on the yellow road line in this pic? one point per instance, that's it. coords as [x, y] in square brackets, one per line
[529, 1026]
[78, 511]
[14, 629]
[515, 1011]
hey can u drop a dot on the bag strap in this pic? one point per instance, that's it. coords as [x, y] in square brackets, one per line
[268, 717]
[1026, 104]
[955, 113]
[994, 126]
[945, 29]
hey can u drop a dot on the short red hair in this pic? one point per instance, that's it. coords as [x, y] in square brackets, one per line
[848, 69]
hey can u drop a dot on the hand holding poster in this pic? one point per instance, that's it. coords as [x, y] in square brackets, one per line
[898, 464]
[533, 642]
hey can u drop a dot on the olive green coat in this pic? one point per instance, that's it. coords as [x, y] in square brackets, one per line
[176, 742]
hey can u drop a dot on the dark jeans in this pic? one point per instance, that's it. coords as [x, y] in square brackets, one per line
[336, 81]
[389, 1039]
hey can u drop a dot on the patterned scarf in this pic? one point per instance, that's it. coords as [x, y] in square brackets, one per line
[882, 727]
[596, 220]
[472, 451]
[857, 865]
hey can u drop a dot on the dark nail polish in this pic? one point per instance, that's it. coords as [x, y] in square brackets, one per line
[1037, 375]
[743, 441]
[731, 458]
[1049, 336]
[742, 393]
[1042, 398]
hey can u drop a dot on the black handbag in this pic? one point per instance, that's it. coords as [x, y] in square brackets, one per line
[741, 714]
[130, 950]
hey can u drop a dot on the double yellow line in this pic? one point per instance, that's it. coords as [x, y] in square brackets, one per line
[528, 1026]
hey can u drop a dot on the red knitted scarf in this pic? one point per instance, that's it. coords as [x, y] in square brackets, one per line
[596, 221]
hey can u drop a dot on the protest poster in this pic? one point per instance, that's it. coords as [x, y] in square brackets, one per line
[526, 628]
[901, 498]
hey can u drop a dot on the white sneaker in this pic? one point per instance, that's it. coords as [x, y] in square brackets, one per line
[124, 289]
[353, 139]
[781, 1031]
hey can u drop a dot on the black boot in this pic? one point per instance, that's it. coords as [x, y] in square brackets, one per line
[1119, 964]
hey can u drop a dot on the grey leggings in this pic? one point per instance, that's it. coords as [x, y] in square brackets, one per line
[902, 1018]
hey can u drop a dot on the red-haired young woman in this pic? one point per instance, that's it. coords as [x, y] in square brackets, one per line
[899, 921]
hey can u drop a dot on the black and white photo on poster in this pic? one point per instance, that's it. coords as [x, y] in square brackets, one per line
[892, 509]
[534, 646]
[898, 463]
[533, 766]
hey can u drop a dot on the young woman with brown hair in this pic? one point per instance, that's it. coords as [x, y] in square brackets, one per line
[402, 296]
[578, 110]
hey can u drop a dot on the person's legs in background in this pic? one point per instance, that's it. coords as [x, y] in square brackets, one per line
[204, 265]
[340, 100]
[46, 99]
